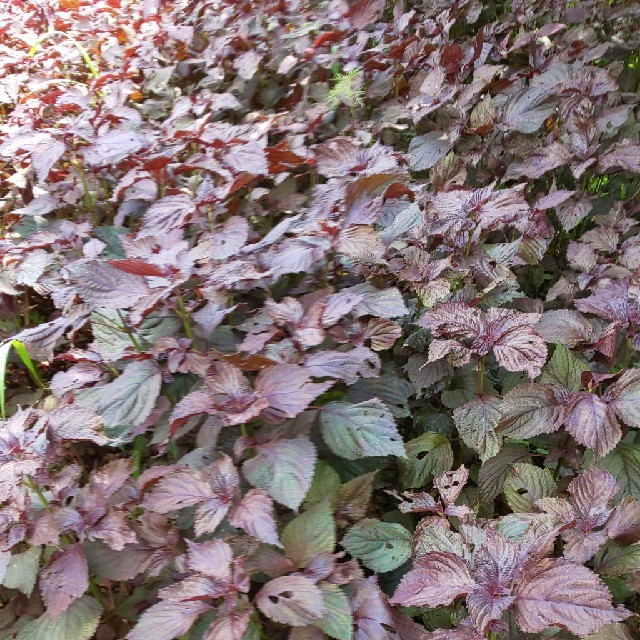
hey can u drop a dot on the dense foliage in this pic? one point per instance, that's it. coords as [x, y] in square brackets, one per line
[319, 319]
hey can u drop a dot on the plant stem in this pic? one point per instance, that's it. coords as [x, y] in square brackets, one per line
[183, 314]
[628, 354]
[480, 377]
[129, 332]
[93, 70]
[93, 587]
[25, 308]
[29, 482]
[138, 448]
[87, 199]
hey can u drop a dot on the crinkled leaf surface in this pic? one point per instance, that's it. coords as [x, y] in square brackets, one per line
[355, 431]
[284, 469]
[292, 600]
[128, 400]
[381, 546]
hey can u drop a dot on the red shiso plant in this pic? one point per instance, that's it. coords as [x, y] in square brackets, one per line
[319, 319]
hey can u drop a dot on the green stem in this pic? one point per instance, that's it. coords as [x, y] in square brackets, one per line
[162, 187]
[87, 199]
[97, 594]
[30, 483]
[22, 352]
[138, 449]
[183, 314]
[93, 69]
[628, 354]
[467, 249]
[480, 377]
[129, 332]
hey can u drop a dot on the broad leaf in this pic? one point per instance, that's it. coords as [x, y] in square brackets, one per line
[22, 570]
[312, 532]
[436, 580]
[380, 546]
[495, 470]
[337, 620]
[565, 327]
[556, 592]
[288, 391]
[618, 560]
[167, 620]
[64, 580]
[229, 627]
[284, 469]
[592, 423]
[532, 409]
[128, 400]
[624, 397]
[428, 455]
[167, 213]
[78, 622]
[527, 109]
[292, 600]
[254, 514]
[527, 483]
[177, 491]
[476, 423]
[564, 369]
[624, 463]
[355, 431]
[426, 150]
[102, 286]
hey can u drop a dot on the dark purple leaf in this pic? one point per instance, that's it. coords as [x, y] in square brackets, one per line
[436, 580]
[556, 592]
[64, 580]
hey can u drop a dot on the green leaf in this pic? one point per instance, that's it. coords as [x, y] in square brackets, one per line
[78, 622]
[22, 352]
[324, 487]
[430, 538]
[337, 619]
[128, 400]
[312, 532]
[391, 389]
[4, 356]
[614, 631]
[476, 422]
[354, 496]
[495, 470]
[618, 560]
[284, 468]
[252, 632]
[380, 546]
[111, 237]
[564, 368]
[23, 622]
[355, 431]
[428, 455]
[527, 483]
[624, 463]
[22, 571]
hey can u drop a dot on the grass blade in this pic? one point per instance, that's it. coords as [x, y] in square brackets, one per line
[4, 357]
[26, 360]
